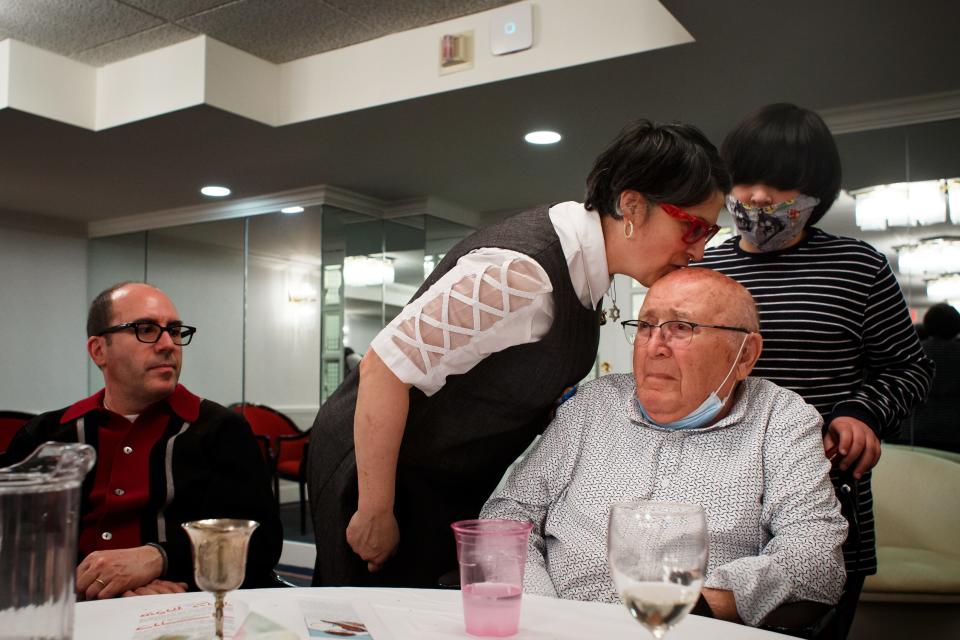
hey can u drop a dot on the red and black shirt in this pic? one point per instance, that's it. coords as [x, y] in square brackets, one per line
[121, 485]
[182, 459]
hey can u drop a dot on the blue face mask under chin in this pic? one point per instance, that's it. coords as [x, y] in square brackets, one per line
[703, 415]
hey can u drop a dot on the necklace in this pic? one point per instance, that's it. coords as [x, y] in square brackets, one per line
[613, 312]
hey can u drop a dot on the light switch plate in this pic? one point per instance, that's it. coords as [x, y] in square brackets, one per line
[511, 28]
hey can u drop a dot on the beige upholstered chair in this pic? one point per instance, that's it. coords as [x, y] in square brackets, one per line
[917, 506]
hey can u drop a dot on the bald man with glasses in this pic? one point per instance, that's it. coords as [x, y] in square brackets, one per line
[688, 426]
[164, 456]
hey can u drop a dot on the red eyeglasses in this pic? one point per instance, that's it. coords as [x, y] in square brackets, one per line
[698, 229]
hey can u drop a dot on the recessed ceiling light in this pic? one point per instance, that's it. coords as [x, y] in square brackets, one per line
[214, 191]
[292, 210]
[542, 137]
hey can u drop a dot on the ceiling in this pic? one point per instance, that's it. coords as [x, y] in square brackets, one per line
[99, 32]
[465, 146]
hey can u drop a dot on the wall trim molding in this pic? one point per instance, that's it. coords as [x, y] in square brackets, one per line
[240, 208]
[324, 194]
[886, 114]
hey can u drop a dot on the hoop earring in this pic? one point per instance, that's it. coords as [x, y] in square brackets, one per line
[628, 229]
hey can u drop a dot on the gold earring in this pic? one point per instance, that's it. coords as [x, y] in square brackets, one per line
[628, 229]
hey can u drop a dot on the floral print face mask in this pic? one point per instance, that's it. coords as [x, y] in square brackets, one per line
[772, 227]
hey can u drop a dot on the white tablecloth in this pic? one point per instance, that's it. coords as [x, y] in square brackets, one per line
[405, 614]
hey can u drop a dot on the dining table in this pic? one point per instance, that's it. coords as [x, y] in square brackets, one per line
[360, 613]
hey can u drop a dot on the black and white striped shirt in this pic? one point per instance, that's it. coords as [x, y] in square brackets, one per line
[836, 330]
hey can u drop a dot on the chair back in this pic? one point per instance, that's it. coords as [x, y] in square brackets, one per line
[268, 422]
[915, 500]
[290, 455]
[10, 423]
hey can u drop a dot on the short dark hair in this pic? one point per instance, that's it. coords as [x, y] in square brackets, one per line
[666, 163]
[786, 147]
[942, 321]
[101, 309]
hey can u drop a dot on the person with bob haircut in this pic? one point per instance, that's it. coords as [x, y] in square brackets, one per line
[463, 379]
[835, 326]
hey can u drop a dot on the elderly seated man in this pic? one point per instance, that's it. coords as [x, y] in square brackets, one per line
[688, 426]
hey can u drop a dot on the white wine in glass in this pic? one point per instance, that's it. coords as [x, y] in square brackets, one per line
[657, 553]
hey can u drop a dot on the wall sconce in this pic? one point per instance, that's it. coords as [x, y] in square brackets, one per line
[945, 288]
[366, 271]
[931, 256]
[953, 199]
[301, 293]
[906, 204]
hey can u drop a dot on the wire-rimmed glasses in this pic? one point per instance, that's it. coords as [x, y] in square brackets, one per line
[673, 332]
[657, 552]
[150, 332]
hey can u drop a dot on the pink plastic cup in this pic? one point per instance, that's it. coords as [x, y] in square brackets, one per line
[492, 556]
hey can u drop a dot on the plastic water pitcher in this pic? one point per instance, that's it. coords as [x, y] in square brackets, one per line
[39, 509]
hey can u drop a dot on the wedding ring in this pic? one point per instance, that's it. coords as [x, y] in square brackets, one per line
[100, 582]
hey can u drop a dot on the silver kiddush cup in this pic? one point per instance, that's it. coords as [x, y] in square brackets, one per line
[219, 557]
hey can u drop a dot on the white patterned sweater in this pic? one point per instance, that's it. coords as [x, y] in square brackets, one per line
[760, 474]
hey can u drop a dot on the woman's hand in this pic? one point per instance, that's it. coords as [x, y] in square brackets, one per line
[374, 537]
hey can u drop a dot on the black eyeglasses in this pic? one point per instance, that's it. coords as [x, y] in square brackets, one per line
[672, 332]
[150, 332]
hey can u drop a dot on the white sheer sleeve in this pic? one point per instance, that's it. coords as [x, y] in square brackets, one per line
[491, 300]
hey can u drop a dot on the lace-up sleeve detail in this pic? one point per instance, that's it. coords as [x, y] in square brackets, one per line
[491, 300]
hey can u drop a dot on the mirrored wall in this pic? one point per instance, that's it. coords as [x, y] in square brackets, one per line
[922, 155]
[286, 303]
[280, 301]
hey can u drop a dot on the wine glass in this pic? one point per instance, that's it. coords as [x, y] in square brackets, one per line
[657, 553]
[219, 557]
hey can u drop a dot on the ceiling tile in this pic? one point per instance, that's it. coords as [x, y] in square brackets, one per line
[176, 9]
[149, 40]
[391, 16]
[68, 26]
[301, 28]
